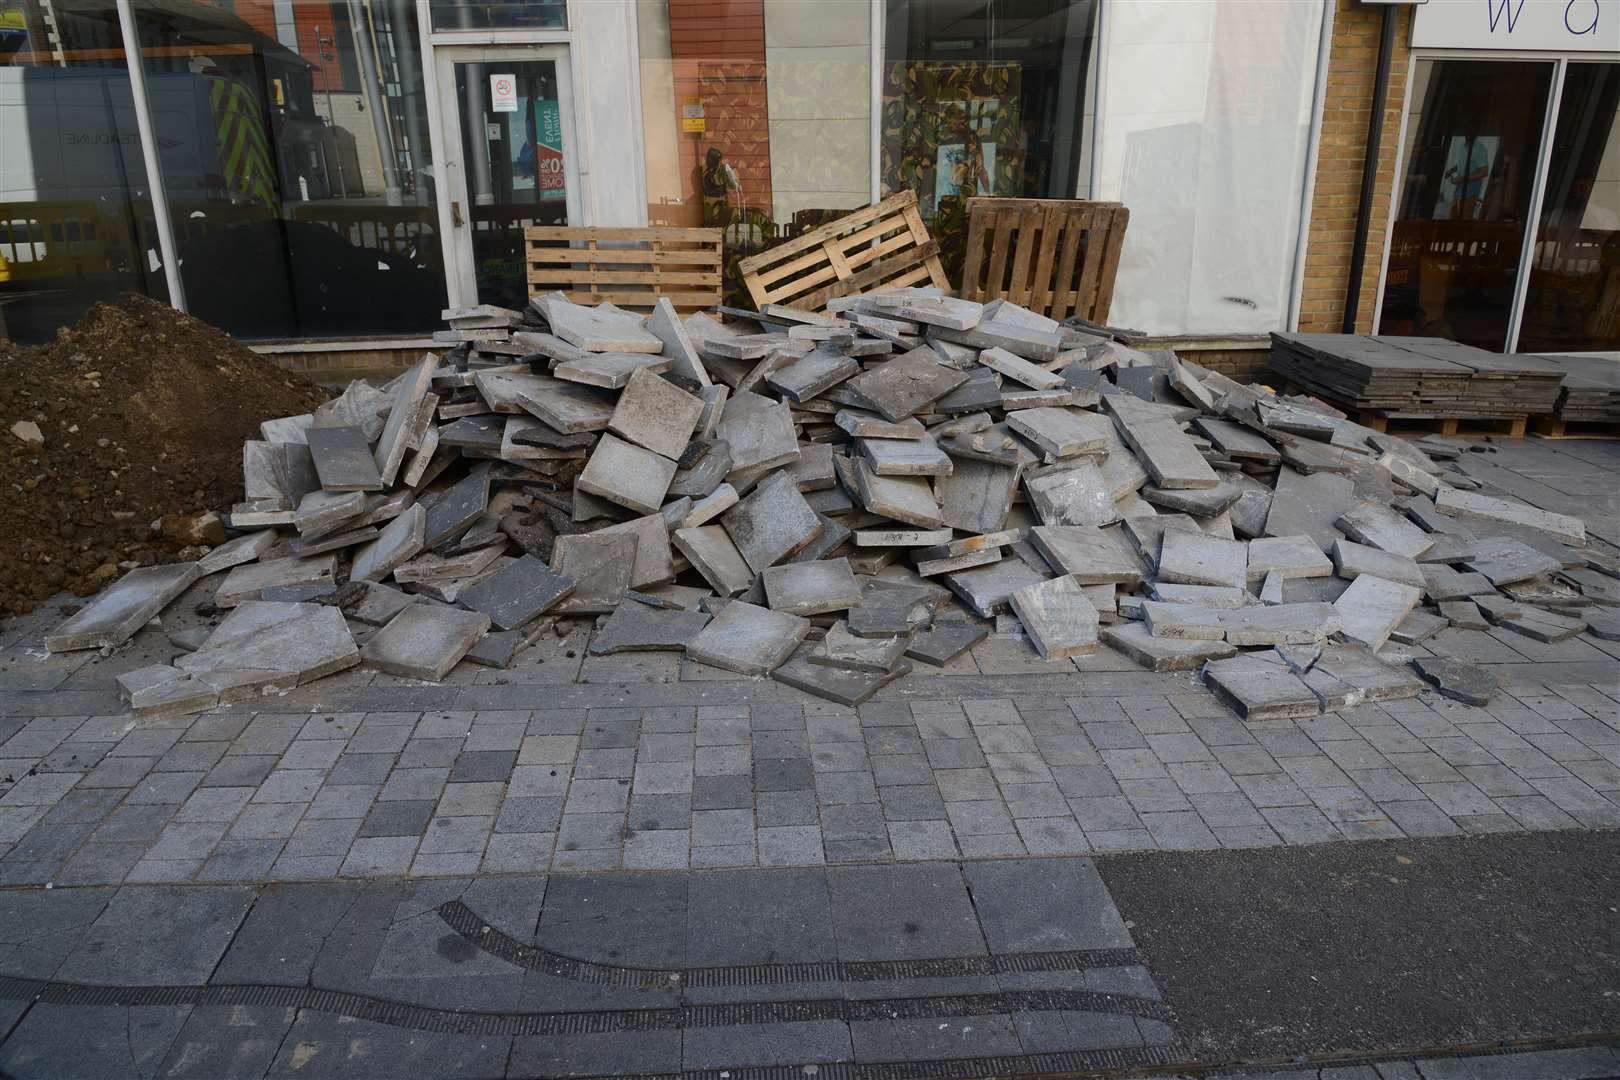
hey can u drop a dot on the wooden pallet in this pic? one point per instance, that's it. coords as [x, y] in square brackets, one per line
[1551, 427]
[629, 267]
[884, 246]
[1057, 257]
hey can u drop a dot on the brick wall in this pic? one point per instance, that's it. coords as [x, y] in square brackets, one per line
[336, 368]
[1351, 71]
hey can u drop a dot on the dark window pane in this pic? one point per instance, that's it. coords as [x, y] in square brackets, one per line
[984, 99]
[75, 210]
[516, 168]
[294, 144]
[1574, 298]
[499, 14]
[1474, 134]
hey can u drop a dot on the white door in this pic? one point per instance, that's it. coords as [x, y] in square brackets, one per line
[511, 161]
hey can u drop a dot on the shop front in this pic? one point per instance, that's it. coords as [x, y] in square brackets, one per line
[335, 173]
[1506, 225]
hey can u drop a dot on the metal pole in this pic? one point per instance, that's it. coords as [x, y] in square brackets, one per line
[1369, 171]
[476, 140]
[379, 119]
[149, 154]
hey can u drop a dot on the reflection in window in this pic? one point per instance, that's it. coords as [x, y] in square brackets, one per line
[1474, 136]
[75, 213]
[294, 145]
[499, 14]
[1573, 301]
[757, 115]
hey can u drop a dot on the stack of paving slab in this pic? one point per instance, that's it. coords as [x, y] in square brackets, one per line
[832, 499]
[1591, 390]
[1416, 377]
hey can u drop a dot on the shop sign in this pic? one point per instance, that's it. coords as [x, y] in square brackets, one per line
[503, 92]
[1541, 25]
[548, 150]
[693, 117]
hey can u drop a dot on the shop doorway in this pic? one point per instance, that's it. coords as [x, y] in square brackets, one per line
[510, 160]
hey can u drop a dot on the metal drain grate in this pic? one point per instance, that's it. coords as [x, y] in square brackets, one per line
[466, 922]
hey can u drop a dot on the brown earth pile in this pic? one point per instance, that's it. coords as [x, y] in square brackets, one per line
[144, 411]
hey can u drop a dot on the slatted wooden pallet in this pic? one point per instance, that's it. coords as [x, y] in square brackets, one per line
[884, 246]
[1057, 257]
[628, 267]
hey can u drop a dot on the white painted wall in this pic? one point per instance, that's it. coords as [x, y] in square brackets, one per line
[608, 98]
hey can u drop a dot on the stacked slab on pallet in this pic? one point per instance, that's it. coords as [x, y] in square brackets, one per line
[1417, 378]
[829, 499]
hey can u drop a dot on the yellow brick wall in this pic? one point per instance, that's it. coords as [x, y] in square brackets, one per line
[1351, 69]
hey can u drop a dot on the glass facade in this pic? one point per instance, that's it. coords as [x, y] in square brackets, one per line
[300, 173]
[1573, 302]
[76, 220]
[1473, 142]
[757, 115]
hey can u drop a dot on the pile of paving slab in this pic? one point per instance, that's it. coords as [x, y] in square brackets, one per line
[824, 498]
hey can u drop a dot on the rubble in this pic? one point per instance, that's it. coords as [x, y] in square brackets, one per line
[825, 499]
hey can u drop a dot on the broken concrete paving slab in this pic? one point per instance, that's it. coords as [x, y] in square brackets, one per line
[1380, 526]
[772, 523]
[343, 459]
[399, 542]
[841, 648]
[608, 371]
[243, 549]
[712, 554]
[409, 391]
[1282, 624]
[1458, 680]
[1059, 619]
[759, 438]
[114, 616]
[1259, 689]
[1470, 504]
[943, 642]
[1200, 559]
[1372, 607]
[1351, 560]
[903, 498]
[599, 565]
[1061, 433]
[1309, 505]
[845, 686]
[987, 590]
[1163, 654]
[635, 627]
[748, 639]
[977, 495]
[247, 581]
[907, 384]
[1292, 557]
[308, 640]
[1506, 561]
[424, 641]
[811, 588]
[655, 413]
[523, 590]
[628, 475]
[1418, 627]
[1086, 553]
[1078, 495]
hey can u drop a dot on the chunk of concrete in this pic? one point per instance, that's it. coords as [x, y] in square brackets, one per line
[655, 413]
[712, 554]
[1020, 370]
[627, 475]
[759, 438]
[1309, 505]
[1506, 561]
[1183, 622]
[1470, 504]
[1162, 654]
[523, 590]
[247, 581]
[1372, 607]
[772, 523]
[710, 506]
[132, 601]
[907, 384]
[1257, 688]
[943, 642]
[1292, 557]
[844, 685]
[1458, 680]
[450, 514]
[1380, 526]
[987, 590]
[977, 495]
[840, 648]
[1200, 559]
[409, 390]
[243, 549]
[812, 374]
[1086, 553]
[1058, 618]
[599, 565]
[1061, 433]
[309, 641]
[399, 542]
[1351, 560]
[1281, 624]
[609, 371]
[1078, 495]
[343, 459]
[811, 588]
[599, 329]
[635, 627]
[654, 563]
[748, 639]
[902, 457]
[864, 425]
[424, 641]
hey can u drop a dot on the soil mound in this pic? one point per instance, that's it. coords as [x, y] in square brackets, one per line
[143, 412]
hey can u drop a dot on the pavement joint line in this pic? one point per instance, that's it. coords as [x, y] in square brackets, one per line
[359, 1006]
[466, 922]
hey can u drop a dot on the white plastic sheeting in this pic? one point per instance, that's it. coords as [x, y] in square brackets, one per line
[1206, 112]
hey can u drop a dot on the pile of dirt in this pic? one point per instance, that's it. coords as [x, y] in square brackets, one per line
[143, 412]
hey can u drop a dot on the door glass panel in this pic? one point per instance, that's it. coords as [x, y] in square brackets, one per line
[512, 145]
[1574, 298]
[1474, 136]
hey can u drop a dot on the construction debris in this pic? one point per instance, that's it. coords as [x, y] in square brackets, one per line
[825, 498]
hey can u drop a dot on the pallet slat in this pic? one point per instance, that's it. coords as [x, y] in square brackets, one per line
[876, 246]
[1030, 251]
[636, 268]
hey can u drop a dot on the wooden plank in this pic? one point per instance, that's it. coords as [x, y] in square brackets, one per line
[626, 277]
[1114, 243]
[1040, 295]
[572, 232]
[645, 299]
[998, 257]
[974, 258]
[632, 256]
[819, 235]
[1064, 301]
